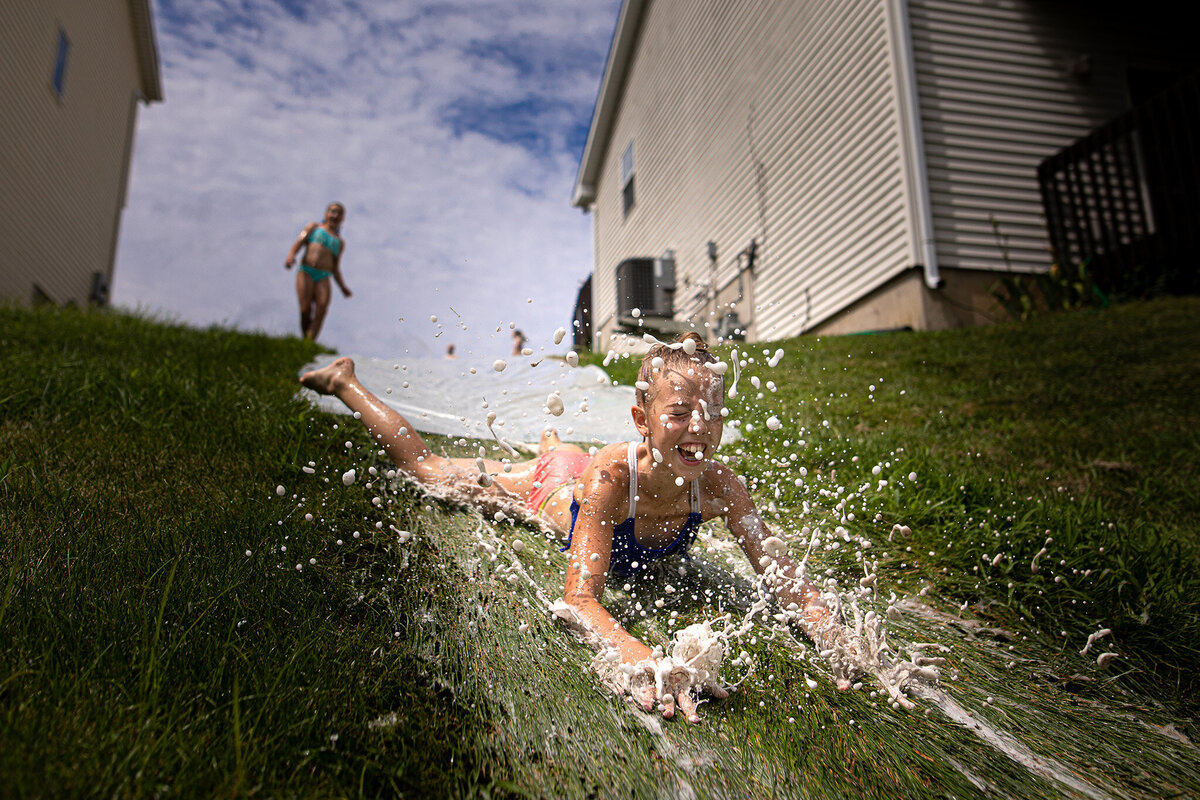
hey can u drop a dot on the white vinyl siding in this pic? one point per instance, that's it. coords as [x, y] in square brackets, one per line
[809, 87]
[63, 160]
[789, 122]
[996, 98]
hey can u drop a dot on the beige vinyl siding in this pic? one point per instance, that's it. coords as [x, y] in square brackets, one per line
[63, 162]
[809, 87]
[997, 97]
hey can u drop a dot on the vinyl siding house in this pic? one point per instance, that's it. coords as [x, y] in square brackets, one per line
[772, 167]
[73, 73]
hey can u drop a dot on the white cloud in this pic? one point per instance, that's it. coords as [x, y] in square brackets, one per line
[392, 108]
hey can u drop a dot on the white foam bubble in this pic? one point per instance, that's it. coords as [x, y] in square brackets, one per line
[774, 547]
[1094, 637]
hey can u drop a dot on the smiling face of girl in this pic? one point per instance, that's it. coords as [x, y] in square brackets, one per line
[680, 404]
[681, 417]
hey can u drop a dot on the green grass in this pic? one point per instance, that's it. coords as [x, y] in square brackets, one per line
[144, 652]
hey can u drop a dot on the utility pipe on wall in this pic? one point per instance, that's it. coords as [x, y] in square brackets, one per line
[910, 121]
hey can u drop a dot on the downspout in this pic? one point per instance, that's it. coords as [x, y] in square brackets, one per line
[910, 121]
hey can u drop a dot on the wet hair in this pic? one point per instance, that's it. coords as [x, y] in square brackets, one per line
[673, 357]
[339, 205]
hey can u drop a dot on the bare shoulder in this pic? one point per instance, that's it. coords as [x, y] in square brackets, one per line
[608, 462]
[605, 482]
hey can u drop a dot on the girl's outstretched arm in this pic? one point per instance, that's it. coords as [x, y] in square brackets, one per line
[789, 581]
[301, 242]
[605, 486]
[605, 492]
[337, 271]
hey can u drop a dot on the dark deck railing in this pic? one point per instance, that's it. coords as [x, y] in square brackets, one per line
[1125, 199]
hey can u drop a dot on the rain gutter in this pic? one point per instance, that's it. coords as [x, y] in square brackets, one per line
[619, 54]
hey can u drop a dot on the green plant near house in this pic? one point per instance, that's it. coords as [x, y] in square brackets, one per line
[1024, 295]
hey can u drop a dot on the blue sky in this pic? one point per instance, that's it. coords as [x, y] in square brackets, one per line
[451, 131]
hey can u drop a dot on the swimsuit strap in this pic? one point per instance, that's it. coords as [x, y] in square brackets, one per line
[696, 496]
[631, 457]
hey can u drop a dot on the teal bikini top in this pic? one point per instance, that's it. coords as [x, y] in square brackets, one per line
[326, 239]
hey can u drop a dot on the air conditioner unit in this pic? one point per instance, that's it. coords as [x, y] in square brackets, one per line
[635, 286]
[647, 284]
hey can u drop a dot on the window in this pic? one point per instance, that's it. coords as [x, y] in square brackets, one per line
[627, 178]
[60, 63]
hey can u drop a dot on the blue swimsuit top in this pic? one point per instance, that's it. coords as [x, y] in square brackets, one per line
[626, 550]
[326, 239]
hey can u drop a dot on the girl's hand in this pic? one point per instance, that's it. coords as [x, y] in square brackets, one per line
[670, 683]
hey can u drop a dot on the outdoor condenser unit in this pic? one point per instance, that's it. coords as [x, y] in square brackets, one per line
[647, 284]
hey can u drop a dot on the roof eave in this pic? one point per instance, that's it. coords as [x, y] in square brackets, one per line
[620, 53]
[147, 50]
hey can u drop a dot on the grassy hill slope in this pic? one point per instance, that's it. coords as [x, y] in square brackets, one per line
[185, 609]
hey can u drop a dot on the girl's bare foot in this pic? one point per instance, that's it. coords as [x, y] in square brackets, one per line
[549, 441]
[328, 380]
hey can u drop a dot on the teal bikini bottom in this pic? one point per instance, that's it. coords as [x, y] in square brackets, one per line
[317, 275]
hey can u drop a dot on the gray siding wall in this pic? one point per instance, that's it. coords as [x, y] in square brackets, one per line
[1002, 85]
[63, 162]
[773, 120]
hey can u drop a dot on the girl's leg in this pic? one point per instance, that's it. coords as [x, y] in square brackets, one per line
[400, 440]
[321, 294]
[304, 293]
[557, 510]
[550, 441]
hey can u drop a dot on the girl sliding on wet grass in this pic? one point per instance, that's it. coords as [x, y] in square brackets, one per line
[624, 507]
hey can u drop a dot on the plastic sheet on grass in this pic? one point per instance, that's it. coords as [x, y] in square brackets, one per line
[452, 397]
